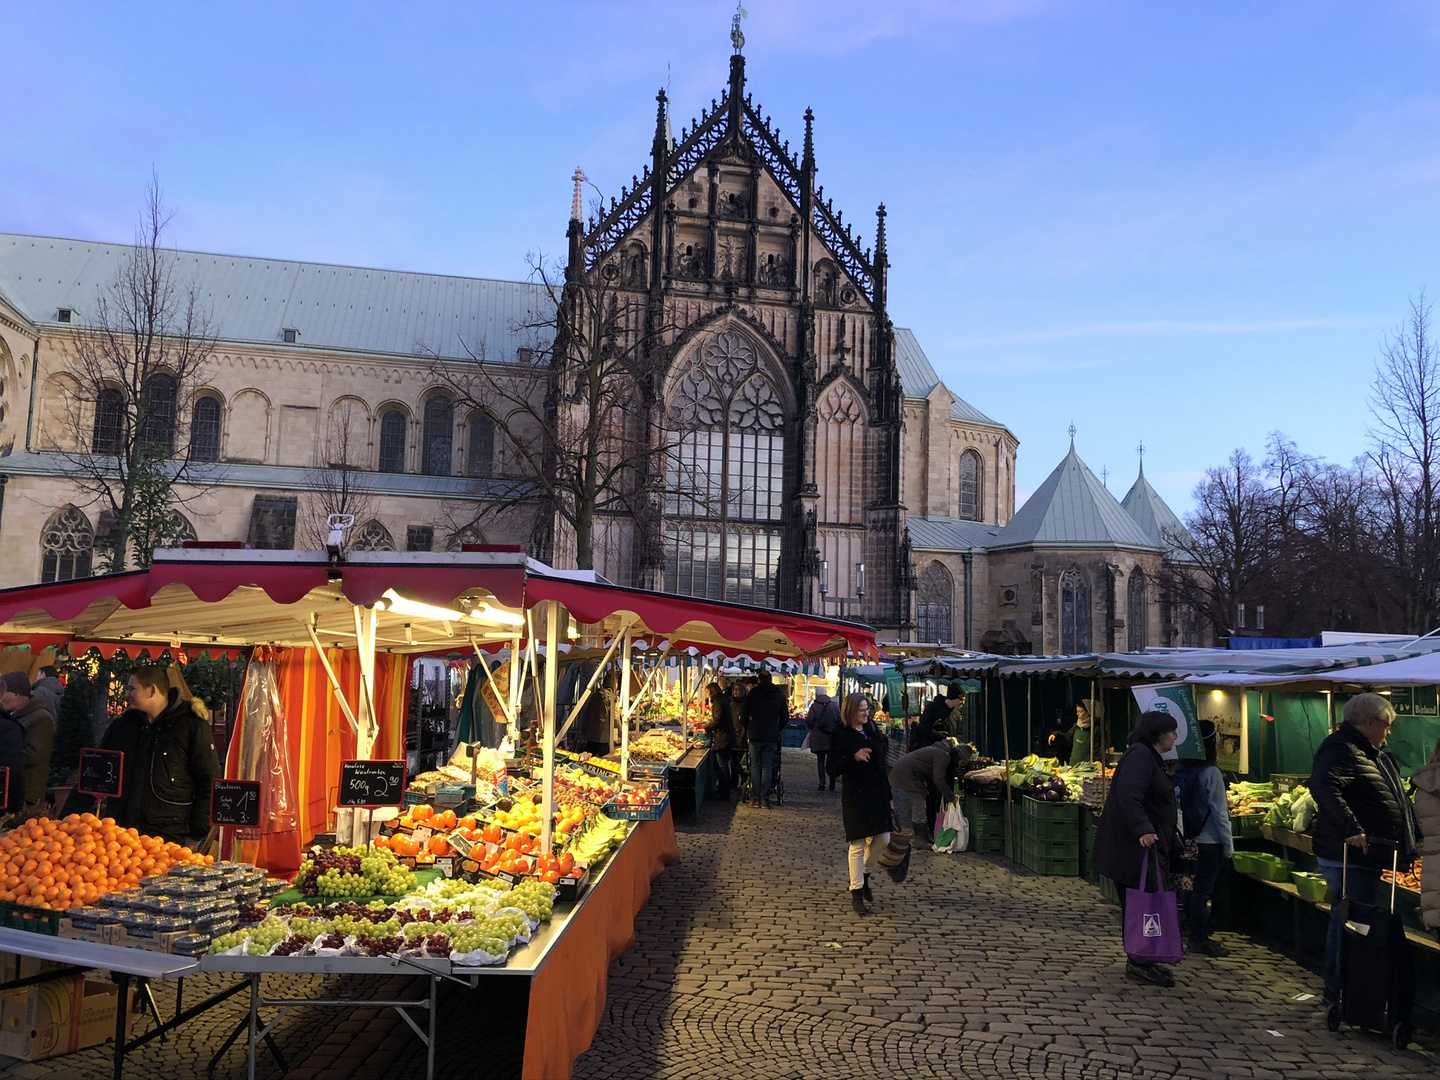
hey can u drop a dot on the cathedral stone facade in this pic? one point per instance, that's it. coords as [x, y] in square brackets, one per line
[797, 448]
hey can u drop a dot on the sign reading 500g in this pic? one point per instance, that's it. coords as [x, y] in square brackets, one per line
[372, 783]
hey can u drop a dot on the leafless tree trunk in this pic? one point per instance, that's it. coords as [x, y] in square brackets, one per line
[139, 355]
[341, 486]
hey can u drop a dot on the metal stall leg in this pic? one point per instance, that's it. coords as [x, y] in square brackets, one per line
[252, 1036]
[430, 1042]
[122, 1021]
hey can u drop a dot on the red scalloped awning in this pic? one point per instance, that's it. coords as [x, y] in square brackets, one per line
[64, 600]
[438, 585]
[214, 581]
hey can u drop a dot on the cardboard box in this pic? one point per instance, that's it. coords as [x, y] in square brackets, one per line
[105, 934]
[58, 1017]
[14, 967]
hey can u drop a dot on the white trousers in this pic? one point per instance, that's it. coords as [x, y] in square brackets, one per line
[863, 854]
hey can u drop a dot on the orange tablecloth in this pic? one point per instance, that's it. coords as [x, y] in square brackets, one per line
[567, 994]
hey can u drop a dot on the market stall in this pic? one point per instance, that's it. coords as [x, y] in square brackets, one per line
[510, 913]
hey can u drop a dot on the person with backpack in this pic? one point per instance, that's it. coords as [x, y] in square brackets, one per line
[822, 720]
[1204, 819]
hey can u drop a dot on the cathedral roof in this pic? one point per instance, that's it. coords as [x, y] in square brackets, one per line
[918, 378]
[1072, 508]
[332, 307]
[1143, 503]
[949, 534]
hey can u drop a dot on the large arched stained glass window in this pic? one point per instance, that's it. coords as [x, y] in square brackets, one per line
[932, 604]
[725, 476]
[1135, 615]
[109, 433]
[1074, 612]
[205, 430]
[971, 486]
[157, 406]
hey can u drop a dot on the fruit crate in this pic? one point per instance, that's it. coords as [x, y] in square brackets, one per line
[1051, 867]
[34, 919]
[978, 808]
[637, 813]
[989, 790]
[1038, 810]
[1288, 782]
[650, 770]
[1247, 826]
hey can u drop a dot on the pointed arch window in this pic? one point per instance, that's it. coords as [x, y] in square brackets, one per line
[971, 484]
[1136, 611]
[205, 430]
[109, 433]
[1074, 612]
[372, 536]
[157, 406]
[67, 545]
[933, 604]
[438, 437]
[725, 476]
[482, 446]
[392, 442]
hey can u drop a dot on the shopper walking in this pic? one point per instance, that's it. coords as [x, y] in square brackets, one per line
[822, 720]
[1359, 798]
[764, 713]
[1206, 816]
[722, 737]
[1140, 815]
[857, 757]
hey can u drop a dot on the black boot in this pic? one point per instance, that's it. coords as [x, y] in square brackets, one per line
[865, 891]
[923, 838]
[857, 901]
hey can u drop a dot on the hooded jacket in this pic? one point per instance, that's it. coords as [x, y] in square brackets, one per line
[822, 720]
[168, 793]
[1427, 810]
[764, 713]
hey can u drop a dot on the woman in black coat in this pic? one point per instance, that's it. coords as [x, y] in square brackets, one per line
[1141, 815]
[857, 756]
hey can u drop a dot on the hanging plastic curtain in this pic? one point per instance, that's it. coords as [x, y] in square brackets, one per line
[264, 737]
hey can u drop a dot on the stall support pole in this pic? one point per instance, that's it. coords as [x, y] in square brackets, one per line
[310, 628]
[515, 687]
[625, 705]
[1029, 716]
[552, 665]
[1009, 802]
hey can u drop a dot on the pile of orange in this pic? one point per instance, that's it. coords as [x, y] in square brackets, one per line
[68, 862]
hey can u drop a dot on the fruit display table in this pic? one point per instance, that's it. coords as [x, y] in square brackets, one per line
[549, 995]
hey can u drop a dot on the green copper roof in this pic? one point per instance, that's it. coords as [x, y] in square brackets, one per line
[1154, 516]
[1072, 508]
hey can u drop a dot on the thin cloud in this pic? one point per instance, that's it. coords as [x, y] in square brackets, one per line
[1162, 327]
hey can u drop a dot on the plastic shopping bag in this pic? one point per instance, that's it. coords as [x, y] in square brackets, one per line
[954, 832]
[1152, 919]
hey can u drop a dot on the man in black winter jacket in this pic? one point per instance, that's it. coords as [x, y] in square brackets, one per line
[1360, 799]
[167, 785]
[936, 722]
[764, 713]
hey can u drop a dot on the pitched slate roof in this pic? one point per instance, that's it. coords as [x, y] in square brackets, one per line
[918, 379]
[1072, 508]
[333, 307]
[1154, 516]
[949, 534]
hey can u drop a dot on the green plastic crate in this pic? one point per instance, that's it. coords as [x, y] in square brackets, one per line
[1036, 810]
[1053, 829]
[1064, 867]
[1049, 849]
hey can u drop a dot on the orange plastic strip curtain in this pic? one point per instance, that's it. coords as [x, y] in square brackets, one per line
[320, 738]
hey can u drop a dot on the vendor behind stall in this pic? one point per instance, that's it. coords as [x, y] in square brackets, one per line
[167, 784]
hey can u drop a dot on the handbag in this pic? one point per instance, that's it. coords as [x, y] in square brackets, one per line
[1152, 919]
[954, 834]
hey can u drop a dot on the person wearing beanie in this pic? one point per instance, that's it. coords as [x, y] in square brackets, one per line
[938, 719]
[39, 728]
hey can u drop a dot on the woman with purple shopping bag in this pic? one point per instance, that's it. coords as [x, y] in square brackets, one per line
[1139, 838]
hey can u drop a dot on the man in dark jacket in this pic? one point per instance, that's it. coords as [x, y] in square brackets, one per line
[724, 743]
[39, 726]
[48, 691]
[763, 715]
[936, 721]
[921, 774]
[1360, 799]
[822, 720]
[123, 734]
[167, 784]
[12, 757]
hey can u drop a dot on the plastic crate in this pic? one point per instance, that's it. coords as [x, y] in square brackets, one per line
[1247, 826]
[1270, 868]
[34, 919]
[1038, 810]
[1051, 867]
[986, 845]
[1288, 782]
[1053, 830]
[636, 813]
[1050, 849]
[652, 770]
[1310, 886]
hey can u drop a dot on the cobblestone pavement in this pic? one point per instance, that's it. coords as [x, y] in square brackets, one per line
[749, 963]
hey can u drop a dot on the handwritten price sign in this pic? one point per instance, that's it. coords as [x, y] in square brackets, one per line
[372, 783]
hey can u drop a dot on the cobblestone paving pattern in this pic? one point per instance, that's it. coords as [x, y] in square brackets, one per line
[749, 964]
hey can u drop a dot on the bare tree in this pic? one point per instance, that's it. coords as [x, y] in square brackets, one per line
[1405, 400]
[575, 435]
[341, 485]
[139, 356]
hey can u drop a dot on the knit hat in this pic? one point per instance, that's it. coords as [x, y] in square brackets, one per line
[17, 682]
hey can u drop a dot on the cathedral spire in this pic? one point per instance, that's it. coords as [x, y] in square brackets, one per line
[577, 200]
[663, 140]
[574, 265]
[882, 260]
[807, 162]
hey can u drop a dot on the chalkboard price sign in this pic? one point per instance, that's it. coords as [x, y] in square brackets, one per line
[372, 783]
[101, 772]
[235, 802]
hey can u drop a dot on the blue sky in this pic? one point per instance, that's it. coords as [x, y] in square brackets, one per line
[1184, 223]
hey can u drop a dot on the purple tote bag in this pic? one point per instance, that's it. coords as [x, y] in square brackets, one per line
[1152, 919]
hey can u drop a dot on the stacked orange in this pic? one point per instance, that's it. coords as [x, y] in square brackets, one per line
[59, 864]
